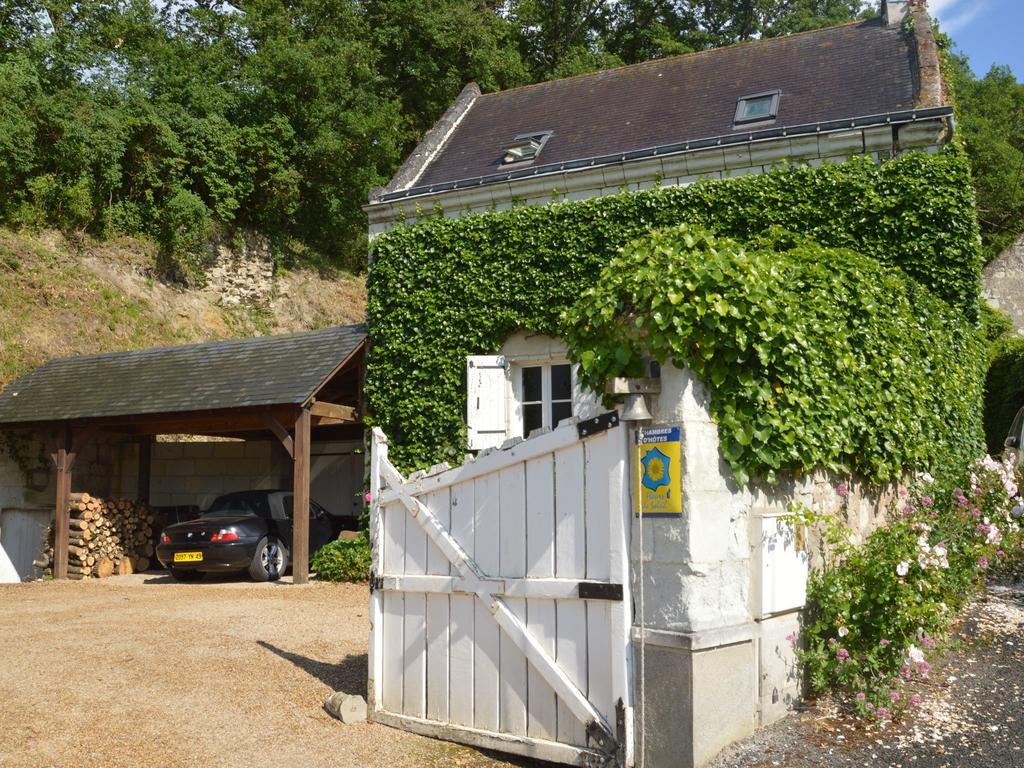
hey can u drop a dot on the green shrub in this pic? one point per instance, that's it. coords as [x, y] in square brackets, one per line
[445, 288]
[1004, 391]
[876, 611]
[183, 227]
[343, 560]
[816, 357]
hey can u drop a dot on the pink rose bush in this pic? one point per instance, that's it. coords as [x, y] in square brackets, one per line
[879, 610]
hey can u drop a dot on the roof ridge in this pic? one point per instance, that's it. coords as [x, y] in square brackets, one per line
[689, 54]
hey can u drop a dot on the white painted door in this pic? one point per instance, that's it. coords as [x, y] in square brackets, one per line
[21, 535]
[500, 607]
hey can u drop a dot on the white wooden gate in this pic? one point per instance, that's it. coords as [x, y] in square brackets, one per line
[500, 601]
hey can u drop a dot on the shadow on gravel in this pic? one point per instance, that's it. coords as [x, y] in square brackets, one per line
[348, 675]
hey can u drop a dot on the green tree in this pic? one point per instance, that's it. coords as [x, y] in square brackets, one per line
[992, 126]
[429, 49]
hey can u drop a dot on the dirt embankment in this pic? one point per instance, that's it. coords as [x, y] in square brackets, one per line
[62, 297]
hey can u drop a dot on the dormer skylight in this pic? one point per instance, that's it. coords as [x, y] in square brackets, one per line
[524, 149]
[757, 108]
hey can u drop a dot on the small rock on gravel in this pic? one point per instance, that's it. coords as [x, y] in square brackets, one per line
[347, 708]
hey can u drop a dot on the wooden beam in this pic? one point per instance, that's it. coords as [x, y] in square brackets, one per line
[64, 460]
[332, 411]
[300, 498]
[281, 433]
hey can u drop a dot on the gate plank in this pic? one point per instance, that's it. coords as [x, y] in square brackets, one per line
[392, 651]
[512, 562]
[486, 652]
[599, 505]
[393, 647]
[570, 563]
[542, 721]
[415, 661]
[438, 616]
[460, 665]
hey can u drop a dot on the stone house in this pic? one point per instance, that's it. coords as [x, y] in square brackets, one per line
[725, 583]
[1003, 283]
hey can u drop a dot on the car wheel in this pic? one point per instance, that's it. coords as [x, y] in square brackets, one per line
[185, 576]
[270, 561]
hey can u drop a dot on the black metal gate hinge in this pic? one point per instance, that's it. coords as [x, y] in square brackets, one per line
[598, 424]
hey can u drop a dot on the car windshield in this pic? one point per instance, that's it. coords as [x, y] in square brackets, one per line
[235, 506]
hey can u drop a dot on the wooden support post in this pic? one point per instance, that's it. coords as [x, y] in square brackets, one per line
[300, 497]
[145, 467]
[64, 459]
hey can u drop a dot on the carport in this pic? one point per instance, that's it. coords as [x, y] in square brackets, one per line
[286, 387]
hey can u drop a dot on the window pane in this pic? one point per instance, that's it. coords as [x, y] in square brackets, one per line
[760, 107]
[532, 386]
[561, 382]
[533, 418]
[559, 411]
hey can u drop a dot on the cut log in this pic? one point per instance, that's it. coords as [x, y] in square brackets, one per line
[141, 564]
[125, 567]
[104, 567]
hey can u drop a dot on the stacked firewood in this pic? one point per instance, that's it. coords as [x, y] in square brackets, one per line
[105, 538]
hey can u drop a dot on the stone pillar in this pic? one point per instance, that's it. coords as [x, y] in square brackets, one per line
[699, 635]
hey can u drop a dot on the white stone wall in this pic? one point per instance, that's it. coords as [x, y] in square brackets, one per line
[194, 474]
[703, 572]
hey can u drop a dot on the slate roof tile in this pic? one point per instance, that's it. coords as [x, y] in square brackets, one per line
[266, 370]
[853, 70]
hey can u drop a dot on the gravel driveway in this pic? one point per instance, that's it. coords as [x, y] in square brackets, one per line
[141, 671]
[972, 715]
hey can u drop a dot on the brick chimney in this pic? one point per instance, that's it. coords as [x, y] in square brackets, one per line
[895, 12]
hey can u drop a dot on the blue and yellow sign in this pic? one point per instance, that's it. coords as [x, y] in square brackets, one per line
[659, 469]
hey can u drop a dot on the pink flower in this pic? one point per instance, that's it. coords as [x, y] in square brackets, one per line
[882, 713]
[915, 700]
[976, 513]
[983, 563]
[869, 706]
[368, 497]
[903, 493]
[927, 642]
[894, 696]
[883, 642]
[791, 637]
[905, 671]
[923, 668]
[1000, 553]
[843, 490]
[842, 655]
[861, 696]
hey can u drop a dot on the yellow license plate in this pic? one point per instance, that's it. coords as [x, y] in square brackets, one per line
[188, 557]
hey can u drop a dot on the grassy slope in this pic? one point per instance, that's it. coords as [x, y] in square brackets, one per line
[61, 297]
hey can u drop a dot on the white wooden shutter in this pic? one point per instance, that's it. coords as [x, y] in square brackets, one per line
[486, 401]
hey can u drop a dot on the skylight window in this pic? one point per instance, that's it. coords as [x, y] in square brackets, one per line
[757, 108]
[524, 149]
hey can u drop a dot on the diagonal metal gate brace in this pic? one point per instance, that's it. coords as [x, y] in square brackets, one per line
[479, 583]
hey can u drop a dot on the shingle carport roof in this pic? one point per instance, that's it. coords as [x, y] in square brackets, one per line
[263, 371]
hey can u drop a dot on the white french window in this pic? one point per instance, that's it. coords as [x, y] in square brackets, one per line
[542, 395]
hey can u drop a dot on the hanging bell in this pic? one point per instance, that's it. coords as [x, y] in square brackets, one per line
[636, 408]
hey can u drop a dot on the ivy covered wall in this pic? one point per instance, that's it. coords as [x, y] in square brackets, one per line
[444, 288]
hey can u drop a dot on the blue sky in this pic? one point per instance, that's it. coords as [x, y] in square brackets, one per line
[988, 31]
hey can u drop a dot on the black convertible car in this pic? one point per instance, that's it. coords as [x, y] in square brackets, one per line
[249, 530]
